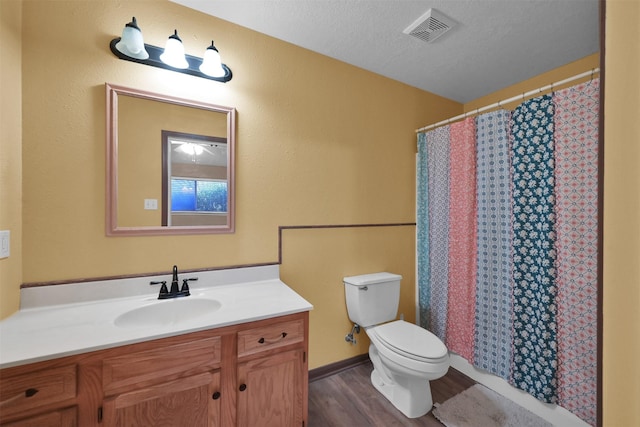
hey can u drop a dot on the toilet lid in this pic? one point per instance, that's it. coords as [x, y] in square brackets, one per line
[411, 340]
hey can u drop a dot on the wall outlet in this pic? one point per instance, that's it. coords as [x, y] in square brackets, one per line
[5, 243]
[151, 204]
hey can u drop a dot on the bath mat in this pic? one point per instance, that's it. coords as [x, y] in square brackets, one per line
[478, 406]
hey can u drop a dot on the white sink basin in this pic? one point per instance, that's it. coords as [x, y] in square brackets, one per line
[168, 312]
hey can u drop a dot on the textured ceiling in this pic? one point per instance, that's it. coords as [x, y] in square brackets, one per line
[495, 43]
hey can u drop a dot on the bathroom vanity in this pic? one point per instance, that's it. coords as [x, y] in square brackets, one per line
[245, 364]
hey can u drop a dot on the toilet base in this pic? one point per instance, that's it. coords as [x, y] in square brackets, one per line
[411, 396]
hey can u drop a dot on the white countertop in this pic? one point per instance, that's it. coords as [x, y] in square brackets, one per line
[74, 323]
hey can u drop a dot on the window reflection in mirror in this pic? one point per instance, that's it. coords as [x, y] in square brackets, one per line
[155, 140]
[194, 179]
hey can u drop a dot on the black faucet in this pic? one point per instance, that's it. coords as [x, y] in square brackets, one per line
[174, 280]
[174, 292]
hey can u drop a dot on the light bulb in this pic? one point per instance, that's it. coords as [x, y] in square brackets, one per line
[211, 63]
[173, 54]
[131, 43]
[191, 149]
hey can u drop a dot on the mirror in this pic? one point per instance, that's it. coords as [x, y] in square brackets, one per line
[170, 165]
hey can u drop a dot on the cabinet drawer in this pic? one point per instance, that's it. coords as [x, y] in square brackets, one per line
[267, 337]
[35, 389]
[146, 367]
[58, 418]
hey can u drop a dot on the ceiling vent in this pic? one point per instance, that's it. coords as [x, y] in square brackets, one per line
[430, 26]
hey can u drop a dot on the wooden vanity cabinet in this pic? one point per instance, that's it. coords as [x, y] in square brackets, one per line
[251, 374]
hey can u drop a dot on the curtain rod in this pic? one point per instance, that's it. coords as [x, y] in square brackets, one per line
[509, 100]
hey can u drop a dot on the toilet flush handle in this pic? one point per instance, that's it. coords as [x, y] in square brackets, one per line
[363, 288]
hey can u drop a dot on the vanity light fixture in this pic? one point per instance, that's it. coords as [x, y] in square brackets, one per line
[131, 47]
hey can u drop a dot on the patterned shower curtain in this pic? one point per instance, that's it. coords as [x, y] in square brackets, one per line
[576, 121]
[534, 291]
[422, 237]
[438, 190]
[493, 308]
[519, 298]
[462, 238]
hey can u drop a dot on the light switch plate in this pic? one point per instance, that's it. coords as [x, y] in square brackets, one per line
[5, 243]
[151, 204]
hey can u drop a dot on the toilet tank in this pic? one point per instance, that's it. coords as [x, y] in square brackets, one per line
[372, 298]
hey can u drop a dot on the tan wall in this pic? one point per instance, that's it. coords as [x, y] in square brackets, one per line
[204, 219]
[316, 260]
[319, 141]
[622, 215]
[11, 151]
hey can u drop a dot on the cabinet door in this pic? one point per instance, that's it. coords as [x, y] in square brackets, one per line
[191, 401]
[270, 391]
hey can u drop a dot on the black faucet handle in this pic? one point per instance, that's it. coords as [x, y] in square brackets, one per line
[163, 289]
[185, 284]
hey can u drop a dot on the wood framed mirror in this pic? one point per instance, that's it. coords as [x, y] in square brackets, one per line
[170, 165]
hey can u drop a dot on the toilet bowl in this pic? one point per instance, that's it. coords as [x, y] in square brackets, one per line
[405, 357]
[402, 373]
[412, 347]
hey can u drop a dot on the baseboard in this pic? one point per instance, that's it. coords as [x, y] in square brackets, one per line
[334, 368]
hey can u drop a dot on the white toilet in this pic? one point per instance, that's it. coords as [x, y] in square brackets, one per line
[405, 356]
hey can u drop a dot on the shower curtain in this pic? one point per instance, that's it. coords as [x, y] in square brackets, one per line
[507, 243]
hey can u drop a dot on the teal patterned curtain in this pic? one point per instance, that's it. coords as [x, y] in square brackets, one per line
[534, 272]
[422, 237]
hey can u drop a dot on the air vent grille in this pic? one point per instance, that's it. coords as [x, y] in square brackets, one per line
[430, 26]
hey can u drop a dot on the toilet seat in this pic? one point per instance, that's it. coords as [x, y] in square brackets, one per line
[410, 341]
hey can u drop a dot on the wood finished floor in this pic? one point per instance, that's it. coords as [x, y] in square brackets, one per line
[348, 399]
